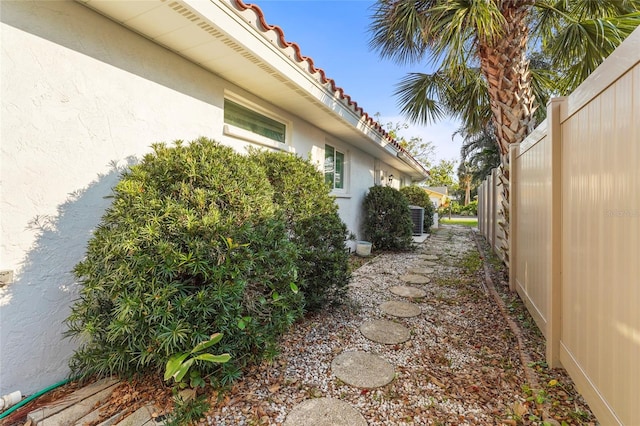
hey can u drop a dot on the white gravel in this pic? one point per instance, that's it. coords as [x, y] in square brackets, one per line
[435, 369]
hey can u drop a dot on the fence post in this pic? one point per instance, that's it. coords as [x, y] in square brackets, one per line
[554, 294]
[483, 227]
[487, 208]
[514, 151]
[494, 211]
[490, 209]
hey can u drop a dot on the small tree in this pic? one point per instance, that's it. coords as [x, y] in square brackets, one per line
[422, 151]
[443, 174]
[418, 197]
[387, 223]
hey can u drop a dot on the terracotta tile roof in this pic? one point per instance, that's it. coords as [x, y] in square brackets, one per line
[324, 79]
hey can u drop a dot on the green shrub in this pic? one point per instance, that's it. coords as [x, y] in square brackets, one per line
[193, 244]
[470, 209]
[418, 197]
[453, 207]
[387, 221]
[314, 225]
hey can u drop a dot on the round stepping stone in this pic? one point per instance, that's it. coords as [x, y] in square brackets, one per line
[362, 369]
[425, 270]
[415, 279]
[400, 309]
[428, 256]
[324, 412]
[407, 291]
[384, 331]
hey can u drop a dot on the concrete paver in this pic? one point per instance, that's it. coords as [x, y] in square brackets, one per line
[415, 279]
[408, 291]
[362, 369]
[400, 309]
[324, 412]
[422, 270]
[385, 331]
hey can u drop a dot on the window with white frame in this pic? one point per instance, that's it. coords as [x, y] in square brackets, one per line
[334, 168]
[244, 118]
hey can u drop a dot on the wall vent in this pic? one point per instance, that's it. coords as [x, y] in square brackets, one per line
[211, 30]
[235, 46]
[266, 67]
[250, 57]
[187, 13]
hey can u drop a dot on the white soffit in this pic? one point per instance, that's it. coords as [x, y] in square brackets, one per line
[226, 41]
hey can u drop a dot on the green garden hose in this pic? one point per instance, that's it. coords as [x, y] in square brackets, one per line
[32, 397]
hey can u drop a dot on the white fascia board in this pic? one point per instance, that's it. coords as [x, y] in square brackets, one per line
[265, 46]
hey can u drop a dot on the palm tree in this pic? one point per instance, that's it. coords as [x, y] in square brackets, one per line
[465, 177]
[482, 67]
[479, 152]
[479, 155]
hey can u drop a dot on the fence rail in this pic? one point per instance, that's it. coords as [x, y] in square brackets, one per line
[575, 233]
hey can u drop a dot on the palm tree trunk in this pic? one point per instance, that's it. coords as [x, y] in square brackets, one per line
[506, 68]
[467, 190]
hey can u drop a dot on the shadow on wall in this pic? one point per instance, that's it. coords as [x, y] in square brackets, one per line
[82, 30]
[34, 353]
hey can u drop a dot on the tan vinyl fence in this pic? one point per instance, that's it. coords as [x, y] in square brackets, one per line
[575, 227]
[489, 212]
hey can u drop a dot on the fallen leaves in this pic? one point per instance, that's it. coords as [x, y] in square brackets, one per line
[460, 367]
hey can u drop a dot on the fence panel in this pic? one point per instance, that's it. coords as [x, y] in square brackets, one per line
[531, 237]
[600, 331]
[498, 231]
[575, 240]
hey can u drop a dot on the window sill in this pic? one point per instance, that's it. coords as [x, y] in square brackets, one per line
[340, 195]
[248, 136]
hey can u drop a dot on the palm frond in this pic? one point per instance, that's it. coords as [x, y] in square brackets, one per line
[470, 101]
[458, 25]
[399, 30]
[479, 152]
[581, 46]
[579, 35]
[420, 95]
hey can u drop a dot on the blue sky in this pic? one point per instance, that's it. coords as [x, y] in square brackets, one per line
[335, 35]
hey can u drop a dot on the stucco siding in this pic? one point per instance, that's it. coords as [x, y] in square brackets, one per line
[82, 97]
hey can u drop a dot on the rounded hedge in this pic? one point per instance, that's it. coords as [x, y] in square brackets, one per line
[387, 221]
[193, 244]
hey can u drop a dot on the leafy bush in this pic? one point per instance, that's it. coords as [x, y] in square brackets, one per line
[193, 244]
[387, 221]
[314, 225]
[179, 364]
[470, 209]
[419, 197]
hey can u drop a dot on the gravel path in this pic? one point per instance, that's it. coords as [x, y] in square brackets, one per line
[460, 365]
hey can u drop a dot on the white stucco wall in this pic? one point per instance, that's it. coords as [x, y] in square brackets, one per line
[80, 95]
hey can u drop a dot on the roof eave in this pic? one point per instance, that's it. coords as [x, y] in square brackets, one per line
[231, 39]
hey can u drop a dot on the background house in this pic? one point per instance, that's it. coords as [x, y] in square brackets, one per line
[439, 195]
[87, 86]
